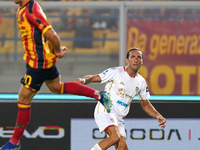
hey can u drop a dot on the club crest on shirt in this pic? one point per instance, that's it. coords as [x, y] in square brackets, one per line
[112, 119]
[121, 92]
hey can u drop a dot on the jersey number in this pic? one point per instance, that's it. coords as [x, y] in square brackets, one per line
[28, 80]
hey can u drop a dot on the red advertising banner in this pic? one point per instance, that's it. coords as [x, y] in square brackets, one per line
[171, 52]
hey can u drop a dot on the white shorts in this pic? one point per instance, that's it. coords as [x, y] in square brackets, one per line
[104, 120]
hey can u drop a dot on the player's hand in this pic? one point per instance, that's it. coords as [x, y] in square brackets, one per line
[162, 121]
[80, 80]
[61, 53]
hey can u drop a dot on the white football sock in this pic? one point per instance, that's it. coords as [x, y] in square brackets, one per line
[96, 147]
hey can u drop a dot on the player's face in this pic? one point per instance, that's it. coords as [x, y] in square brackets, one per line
[20, 1]
[17, 1]
[135, 60]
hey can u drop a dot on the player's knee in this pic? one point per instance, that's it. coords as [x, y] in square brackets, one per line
[54, 90]
[53, 86]
[115, 138]
[23, 99]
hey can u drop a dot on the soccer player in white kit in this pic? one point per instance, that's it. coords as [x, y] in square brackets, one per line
[123, 83]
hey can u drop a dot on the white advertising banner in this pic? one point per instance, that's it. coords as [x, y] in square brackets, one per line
[142, 134]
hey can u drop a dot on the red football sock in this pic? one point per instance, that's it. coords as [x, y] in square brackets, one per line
[78, 89]
[24, 114]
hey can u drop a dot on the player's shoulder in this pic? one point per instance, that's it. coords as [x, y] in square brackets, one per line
[113, 70]
[32, 6]
[117, 69]
[140, 77]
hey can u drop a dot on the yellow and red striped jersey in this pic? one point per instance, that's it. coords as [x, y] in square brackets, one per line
[32, 24]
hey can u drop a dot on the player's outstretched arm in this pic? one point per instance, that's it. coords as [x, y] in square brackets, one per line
[89, 79]
[151, 111]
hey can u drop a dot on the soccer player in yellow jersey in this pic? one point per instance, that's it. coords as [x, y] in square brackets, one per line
[40, 56]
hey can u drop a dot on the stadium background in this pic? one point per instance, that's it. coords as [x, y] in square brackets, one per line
[97, 34]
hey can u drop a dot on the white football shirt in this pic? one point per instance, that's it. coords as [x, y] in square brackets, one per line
[122, 89]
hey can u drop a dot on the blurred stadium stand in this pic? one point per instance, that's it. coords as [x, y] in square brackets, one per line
[104, 50]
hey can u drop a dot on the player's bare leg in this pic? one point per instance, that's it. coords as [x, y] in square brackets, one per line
[114, 137]
[23, 117]
[121, 145]
[56, 86]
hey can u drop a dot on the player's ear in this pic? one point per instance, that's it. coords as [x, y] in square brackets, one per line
[141, 61]
[126, 61]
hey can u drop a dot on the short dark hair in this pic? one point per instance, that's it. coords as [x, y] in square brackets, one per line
[132, 49]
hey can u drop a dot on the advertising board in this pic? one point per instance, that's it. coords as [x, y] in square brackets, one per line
[142, 134]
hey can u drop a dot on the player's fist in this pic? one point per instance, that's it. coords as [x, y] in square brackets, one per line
[80, 80]
[162, 121]
[61, 53]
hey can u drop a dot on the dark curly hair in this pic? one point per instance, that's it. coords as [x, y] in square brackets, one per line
[132, 49]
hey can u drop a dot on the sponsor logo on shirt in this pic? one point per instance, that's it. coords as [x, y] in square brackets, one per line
[122, 103]
[104, 73]
[131, 97]
[121, 93]
[122, 83]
